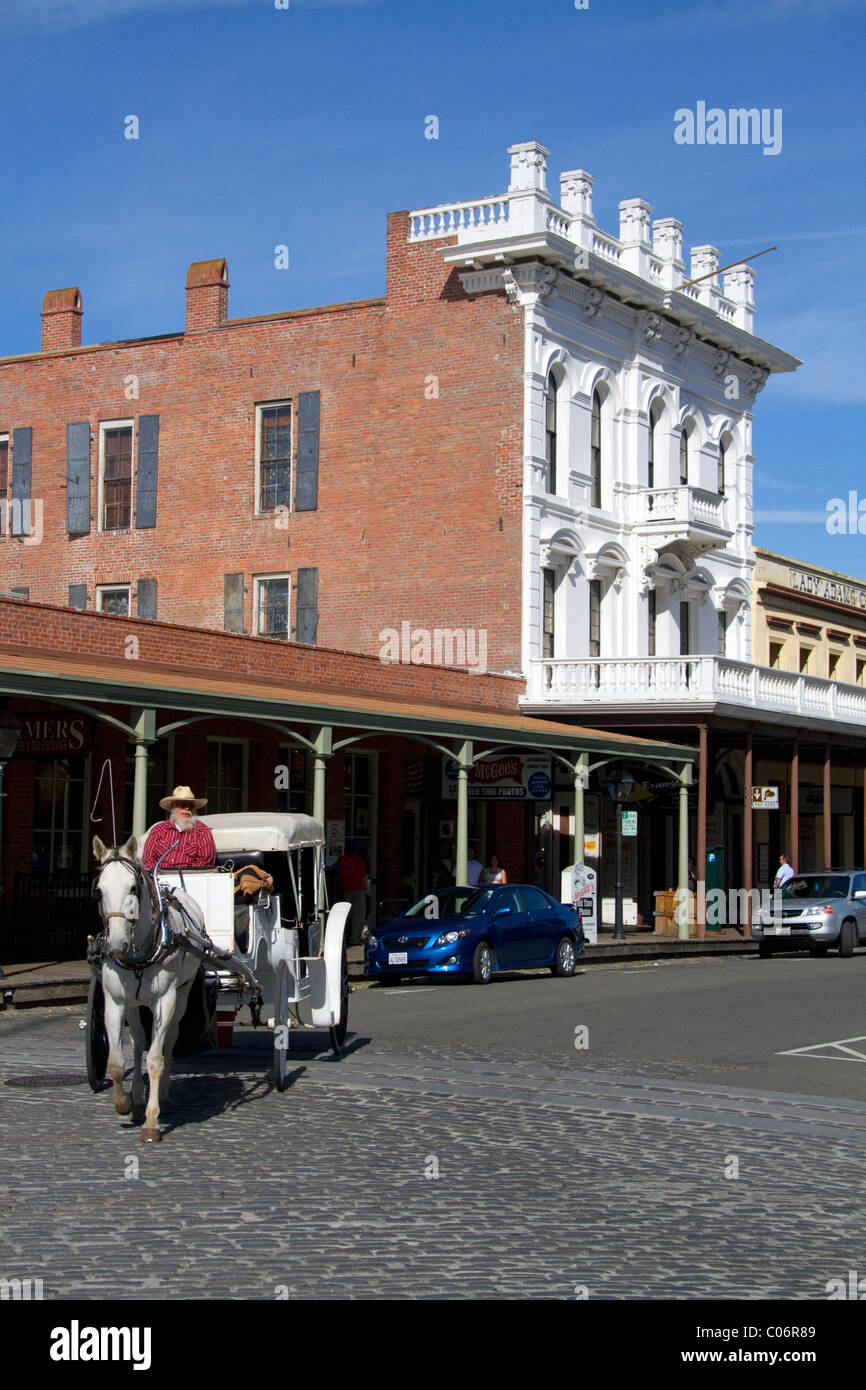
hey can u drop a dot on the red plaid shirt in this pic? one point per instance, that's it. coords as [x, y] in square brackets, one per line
[195, 851]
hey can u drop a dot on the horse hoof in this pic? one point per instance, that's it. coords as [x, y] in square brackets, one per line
[124, 1106]
[150, 1136]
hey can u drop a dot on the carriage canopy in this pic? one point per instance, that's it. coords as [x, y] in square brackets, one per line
[245, 831]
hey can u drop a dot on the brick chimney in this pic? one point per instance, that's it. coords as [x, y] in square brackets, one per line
[61, 319]
[207, 296]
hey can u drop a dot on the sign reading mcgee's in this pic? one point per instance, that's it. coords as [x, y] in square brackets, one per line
[502, 777]
[54, 733]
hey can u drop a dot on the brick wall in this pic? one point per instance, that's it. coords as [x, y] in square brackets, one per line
[419, 505]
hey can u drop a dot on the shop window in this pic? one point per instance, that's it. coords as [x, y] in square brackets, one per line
[59, 816]
[227, 774]
[292, 794]
[359, 803]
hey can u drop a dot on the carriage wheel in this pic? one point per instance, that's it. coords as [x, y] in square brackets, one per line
[281, 1028]
[337, 1034]
[96, 1038]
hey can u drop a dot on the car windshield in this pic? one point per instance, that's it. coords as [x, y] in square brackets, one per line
[452, 902]
[816, 886]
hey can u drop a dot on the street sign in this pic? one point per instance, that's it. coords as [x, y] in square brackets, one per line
[765, 798]
[629, 823]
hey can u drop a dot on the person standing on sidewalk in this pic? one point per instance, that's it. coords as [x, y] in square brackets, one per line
[353, 888]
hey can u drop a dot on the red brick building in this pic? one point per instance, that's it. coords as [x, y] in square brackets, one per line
[319, 474]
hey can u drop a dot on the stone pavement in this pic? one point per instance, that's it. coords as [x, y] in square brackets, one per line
[426, 1174]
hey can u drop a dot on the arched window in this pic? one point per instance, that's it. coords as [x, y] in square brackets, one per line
[685, 432]
[656, 411]
[595, 451]
[550, 435]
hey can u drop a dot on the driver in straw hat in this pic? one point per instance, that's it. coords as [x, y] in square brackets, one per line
[196, 849]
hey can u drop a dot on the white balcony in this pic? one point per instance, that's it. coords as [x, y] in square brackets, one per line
[700, 683]
[670, 514]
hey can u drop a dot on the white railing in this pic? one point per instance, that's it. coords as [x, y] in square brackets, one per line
[678, 505]
[480, 215]
[704, 679]
[606, 246]
[558, 221]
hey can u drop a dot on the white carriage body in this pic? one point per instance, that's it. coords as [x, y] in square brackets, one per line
[270, 930]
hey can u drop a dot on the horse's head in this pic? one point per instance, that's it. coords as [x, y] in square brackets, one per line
[117, 888]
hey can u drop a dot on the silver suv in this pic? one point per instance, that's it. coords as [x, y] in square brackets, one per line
[818, 910]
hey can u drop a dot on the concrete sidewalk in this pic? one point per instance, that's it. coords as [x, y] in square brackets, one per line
[67, 982]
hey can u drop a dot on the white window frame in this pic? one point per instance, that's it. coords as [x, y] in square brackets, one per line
[271, 405]
[103, 589]
[257, 580]
[116, 425]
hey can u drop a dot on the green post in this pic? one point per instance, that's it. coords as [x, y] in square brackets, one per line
[581, 777]
[463, 754]
[144, 723]
[322, 750]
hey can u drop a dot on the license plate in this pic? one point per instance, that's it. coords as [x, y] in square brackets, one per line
[777, 931]
[398, 958]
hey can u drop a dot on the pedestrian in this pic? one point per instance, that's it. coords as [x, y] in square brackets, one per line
[785, 872]
[474, 867]
[494, 873]
[353, 888]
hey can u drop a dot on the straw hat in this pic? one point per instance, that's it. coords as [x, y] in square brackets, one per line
[182, 794]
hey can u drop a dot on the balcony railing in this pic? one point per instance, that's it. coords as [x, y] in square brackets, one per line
[692, 680]
[675, 506]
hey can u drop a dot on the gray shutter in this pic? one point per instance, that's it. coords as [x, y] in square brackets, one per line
[78, 596]
[22, 454]
[78, 478]
[20, 591]
[307, 488]
[308, 606]
[147, 598]
[233, 620]
[146, 471]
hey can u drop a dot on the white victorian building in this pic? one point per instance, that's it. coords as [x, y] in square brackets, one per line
[641, 375]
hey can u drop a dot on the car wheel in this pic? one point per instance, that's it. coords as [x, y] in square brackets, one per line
[817, 950]
[482, 964]
[847, 938]
[765, 950]
[565, 958]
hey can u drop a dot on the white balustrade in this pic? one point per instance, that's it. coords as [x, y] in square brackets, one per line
[708, 679]
[482, 216]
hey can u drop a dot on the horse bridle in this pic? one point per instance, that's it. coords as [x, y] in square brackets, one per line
[162, 939]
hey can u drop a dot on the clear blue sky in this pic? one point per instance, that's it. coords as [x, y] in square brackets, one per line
[304, 126]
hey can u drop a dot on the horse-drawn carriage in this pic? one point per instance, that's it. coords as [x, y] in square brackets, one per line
[254, 922]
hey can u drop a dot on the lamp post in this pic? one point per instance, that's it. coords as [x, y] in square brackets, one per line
[10, 733]
[619, 785]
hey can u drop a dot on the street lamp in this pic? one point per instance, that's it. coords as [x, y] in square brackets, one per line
[619, 785]
[10, 732]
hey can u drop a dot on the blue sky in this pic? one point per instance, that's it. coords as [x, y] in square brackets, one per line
[305, 125]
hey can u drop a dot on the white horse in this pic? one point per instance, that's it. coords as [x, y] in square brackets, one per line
[141, 968]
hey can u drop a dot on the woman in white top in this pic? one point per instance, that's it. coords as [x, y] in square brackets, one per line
[494, 873]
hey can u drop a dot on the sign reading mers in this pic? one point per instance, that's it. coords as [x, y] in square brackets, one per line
[54, 733]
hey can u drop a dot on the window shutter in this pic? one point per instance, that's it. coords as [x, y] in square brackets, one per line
[78, 478]
[22, 453]
[78, 596]
[147, 599]
[146, 471]
[308, 611]
[307, 487]
[233, 602]
[20, 591]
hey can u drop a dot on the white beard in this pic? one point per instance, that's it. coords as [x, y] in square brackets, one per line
[183, 822]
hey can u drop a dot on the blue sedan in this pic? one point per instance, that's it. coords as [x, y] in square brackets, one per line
[477, 932]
